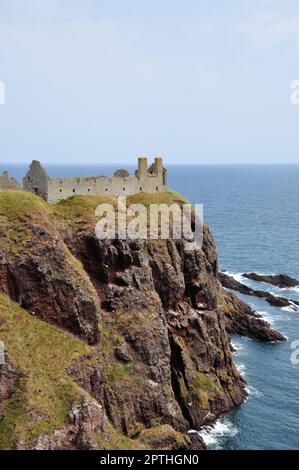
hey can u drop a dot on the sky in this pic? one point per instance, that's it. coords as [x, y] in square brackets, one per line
[105, 81]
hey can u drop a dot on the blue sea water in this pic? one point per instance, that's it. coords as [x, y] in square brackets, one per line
[253, 212]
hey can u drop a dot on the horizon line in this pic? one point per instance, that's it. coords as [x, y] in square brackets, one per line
[167, 164]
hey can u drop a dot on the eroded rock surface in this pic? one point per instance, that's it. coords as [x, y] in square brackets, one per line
[276, 301]
[280, 280]
[38, 272]
[156, 316]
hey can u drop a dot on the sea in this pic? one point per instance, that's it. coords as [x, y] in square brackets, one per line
[253, 212]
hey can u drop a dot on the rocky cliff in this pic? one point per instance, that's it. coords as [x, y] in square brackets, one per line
[111, 344]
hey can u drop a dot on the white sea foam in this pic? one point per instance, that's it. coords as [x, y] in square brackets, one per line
[239, 349]
[294, 306]
[253, 392]
[215, 435]
[237, 346]
[266, 316]
[290, 308]
[241, 368]
[237, 276]
[277, 290]
[290, 289]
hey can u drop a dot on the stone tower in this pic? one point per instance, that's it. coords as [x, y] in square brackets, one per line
[36, 180]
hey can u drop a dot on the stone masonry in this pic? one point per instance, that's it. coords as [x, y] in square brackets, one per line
[146, 179]
[8, 183]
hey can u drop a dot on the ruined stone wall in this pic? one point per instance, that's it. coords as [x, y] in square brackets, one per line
[8, 183]
[93, 186]
[90, 186]
[54, 190]
[36, 180]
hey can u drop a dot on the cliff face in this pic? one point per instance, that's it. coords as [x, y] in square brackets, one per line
[37, 270]
[165, 346]
[156, 319]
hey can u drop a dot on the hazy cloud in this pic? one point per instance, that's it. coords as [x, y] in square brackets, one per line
[268, 31]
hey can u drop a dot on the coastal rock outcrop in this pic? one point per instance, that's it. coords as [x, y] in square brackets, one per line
[276, 301]
[9, 380]
[151, 356]
[167, 353]
[242, 320]
[280, 280]
[38, 271]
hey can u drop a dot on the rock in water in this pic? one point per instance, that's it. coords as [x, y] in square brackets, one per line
[280, 280]
[242, 320]
[230, 283]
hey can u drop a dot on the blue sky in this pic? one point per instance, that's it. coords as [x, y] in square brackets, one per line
[104, 81]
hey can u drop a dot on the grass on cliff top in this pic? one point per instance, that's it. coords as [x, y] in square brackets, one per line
[16, 203]
[41, 353]
[17, 210]
[78, 205]
[79, 211]
[76, 213]
[164, 197]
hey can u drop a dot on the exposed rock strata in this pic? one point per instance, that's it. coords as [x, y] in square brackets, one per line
[9, 380]
[38, 272]
[156, 314]
[161, 306]
[276, 301]
[244, 321]
[86, 423]
[280, 280]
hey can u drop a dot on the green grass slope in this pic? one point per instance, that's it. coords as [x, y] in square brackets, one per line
[41, 353]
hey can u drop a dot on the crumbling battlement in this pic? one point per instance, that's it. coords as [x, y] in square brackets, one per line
[8, 183]
[146, 179]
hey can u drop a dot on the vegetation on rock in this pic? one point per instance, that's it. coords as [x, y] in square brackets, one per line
[114, 343]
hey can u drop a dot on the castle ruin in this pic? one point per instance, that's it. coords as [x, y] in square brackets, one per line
[8, 183]
[146, 179]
